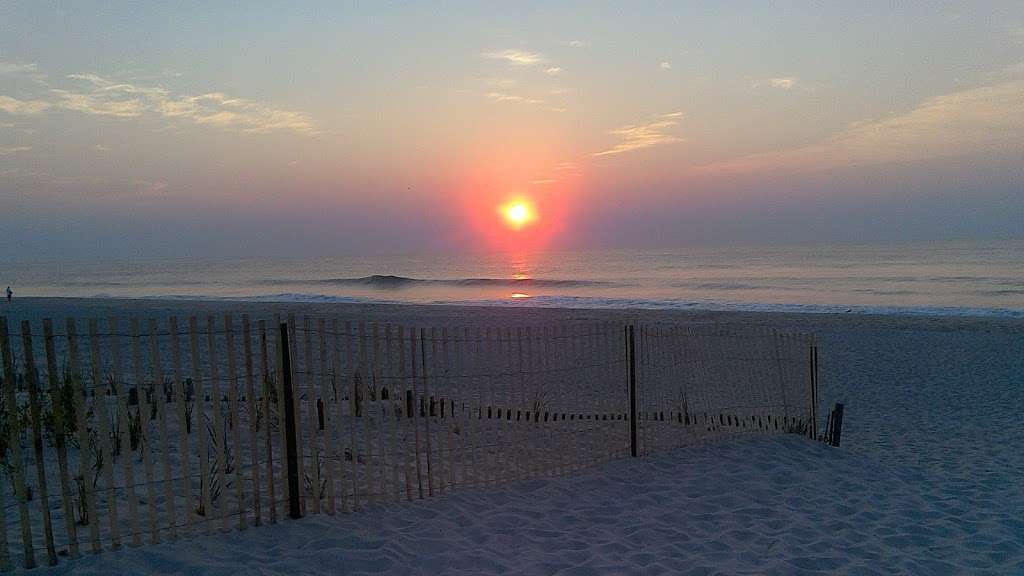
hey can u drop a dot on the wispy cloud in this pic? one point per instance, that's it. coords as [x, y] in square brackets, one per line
[665, 66]
[976, 120]
[785, 83]
[553, 71]
[15, 106]
[514, 98]
[11, 68]
[503, 83]
[25, 69]
[517, 57]
[576, 43]
[8, 150]
[640, 136]
[96, 95]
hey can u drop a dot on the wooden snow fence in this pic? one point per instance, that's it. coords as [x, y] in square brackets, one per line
[119, 432]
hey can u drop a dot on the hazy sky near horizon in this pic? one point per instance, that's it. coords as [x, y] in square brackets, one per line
[152, 129]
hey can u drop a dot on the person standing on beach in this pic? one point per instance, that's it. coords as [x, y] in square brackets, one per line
[9, 294]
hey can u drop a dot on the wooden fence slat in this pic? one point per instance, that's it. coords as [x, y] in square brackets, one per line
[162, 398]
[403, 389]
[144, 439]
[363, 409]
[475, 402]
[444, 396]
[180, 399]
[508, 442]
[378, 386]
[235, 421]
[306, 383]
[279, 391]
[541, 358]
[328, 435]
[481, 426]
[35, 411]
[218, 421]
[124, 440]
[426, 395]
[101, 409]
[199, 422]
[14, 444]
[296, 411]
[267, 388]
[391, 383]
[5, 553]
[414, 336]
[253, 423]
[535, 399]
[461, 392]
[84, 452]
[339, 387]
[350, 370]
[60, 443]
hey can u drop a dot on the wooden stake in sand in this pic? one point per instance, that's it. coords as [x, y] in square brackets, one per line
[234, 422]
[218, 421]
[416, 408]
[352, 390]
[339, 386]
[326, 395]
[14, 443]
[124, 442]
[84, 453]
[180, 398]
[279, 346]
[101, 409]
[363, 408]
[403, 389]
[37, 437]
[253, 419]
[60, 442]
[144, 438]
[306, 383]
[268, 392]
[161, 398]
[199, 421]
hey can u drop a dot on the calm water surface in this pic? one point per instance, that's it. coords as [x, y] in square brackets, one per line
[931, 278]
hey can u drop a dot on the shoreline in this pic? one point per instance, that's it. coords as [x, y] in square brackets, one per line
[32, 306]
[586, 303]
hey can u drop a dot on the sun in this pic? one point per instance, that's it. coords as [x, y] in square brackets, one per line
[518, 213]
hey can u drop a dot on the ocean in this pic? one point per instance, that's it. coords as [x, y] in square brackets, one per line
[938, 278]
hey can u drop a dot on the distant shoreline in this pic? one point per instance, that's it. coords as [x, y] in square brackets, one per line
[36, 308]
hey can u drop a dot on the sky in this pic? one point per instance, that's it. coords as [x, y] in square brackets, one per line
[247, 128]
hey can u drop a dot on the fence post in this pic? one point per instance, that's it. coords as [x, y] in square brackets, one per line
[291, 453]
[631, 352]
[813, 431]
[837, 425]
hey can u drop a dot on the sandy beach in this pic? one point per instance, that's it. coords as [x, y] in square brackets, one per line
[926, 482]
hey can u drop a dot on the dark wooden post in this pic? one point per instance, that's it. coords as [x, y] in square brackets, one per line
[631, 352]
[813, 429]
[291, 452]
[837, 425]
